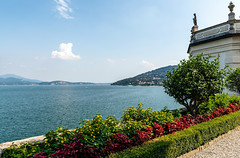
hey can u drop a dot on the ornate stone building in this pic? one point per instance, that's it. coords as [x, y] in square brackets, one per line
[221, 41]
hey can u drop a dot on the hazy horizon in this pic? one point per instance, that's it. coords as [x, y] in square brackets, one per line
[18, 76]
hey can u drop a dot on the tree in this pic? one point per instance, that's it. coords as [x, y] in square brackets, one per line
[233, 80]
[194, 81]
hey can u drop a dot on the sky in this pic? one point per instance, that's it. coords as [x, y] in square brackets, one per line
[99, 41]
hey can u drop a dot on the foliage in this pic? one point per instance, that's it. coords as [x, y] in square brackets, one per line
[25, 150]
[162, 117]
[177, 113]
[234, 99]
[217, 101]
[194, 81]
[53, 141]
[137, 114]
[98, 131]
[56, 139]
[179, 143]
[148, 116]
[233, 80]
[118, 143]
[130, 127]
[214, 102]
[142, 136]
[158, 130]
[76, 149]
[100, 137]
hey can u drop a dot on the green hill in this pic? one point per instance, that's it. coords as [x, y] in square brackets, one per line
[150, 78]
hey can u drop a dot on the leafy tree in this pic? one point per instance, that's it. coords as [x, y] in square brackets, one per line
[194, 81]
[233, 80]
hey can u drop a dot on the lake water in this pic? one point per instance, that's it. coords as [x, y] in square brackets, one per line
[27, 111]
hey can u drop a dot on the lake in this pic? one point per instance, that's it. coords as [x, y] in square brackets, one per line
[27, 111]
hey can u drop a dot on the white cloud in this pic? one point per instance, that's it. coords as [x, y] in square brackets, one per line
[23, 66]
[65, 52]
[174, 62]
[63, 8]
[111, 61]
[148, 64]
[36, 57]
[123, 60]
[39, 57]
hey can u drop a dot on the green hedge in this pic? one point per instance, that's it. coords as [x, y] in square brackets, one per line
[181, 142]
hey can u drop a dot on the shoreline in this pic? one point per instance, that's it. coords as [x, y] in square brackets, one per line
[41, 137]
[19, 142]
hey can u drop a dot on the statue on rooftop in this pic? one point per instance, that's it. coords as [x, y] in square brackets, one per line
[195, 19]
[231, 6]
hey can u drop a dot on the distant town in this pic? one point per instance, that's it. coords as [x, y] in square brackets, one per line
[150, 78]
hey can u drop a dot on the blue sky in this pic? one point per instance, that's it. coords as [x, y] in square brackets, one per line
[99, 40]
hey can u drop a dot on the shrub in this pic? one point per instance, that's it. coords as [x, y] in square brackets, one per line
[142, 136]
[161, 117]
[217, 101]
[98, 131]
[101, 137]
[158, 130]
[25, 150]
[118, 143]
[56, 139]
[234, 99]
[148, 116]
[194, 81]
[137, 114]
[76, 149]
[178, 143]
[233, 80]
[130, 127]
[177, 113]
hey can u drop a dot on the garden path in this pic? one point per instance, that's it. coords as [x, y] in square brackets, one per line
[227, 147]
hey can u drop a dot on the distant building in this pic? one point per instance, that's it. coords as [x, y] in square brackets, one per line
[220, 41]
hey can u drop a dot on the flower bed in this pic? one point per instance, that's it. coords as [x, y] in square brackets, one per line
[181, 142]
[101, 137]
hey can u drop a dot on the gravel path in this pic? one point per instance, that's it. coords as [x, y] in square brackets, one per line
[228, 147]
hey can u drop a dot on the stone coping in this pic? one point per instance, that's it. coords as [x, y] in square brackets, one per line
[19, 142]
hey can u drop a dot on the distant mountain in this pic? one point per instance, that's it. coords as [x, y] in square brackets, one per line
[15, 81]
[19, 77]
[11, 79]
[150, 78]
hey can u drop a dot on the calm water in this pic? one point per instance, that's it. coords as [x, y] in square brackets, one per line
[27, 111]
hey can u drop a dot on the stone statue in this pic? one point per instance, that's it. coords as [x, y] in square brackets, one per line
[195, 19]
[231, 6]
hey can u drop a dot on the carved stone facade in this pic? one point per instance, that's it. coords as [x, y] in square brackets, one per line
[221, 41]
